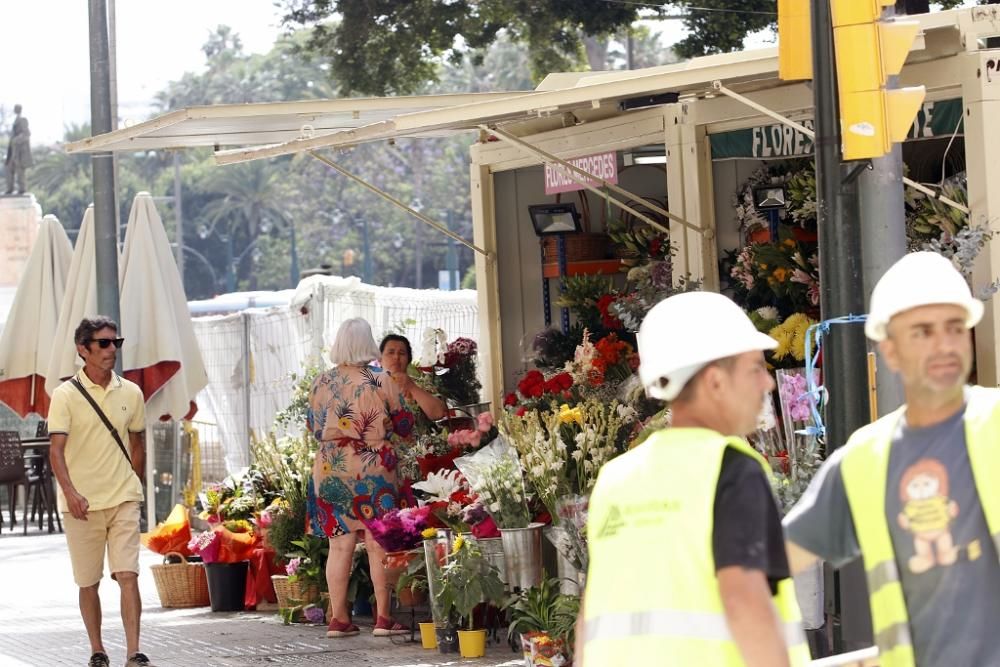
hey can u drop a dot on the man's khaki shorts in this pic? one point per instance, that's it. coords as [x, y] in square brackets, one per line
[114, 528]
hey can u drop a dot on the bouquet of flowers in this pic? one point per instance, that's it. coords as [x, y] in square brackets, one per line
[454, 504]
[600, 368]
[452, 366]
[537, 392]
[400, 529]
[795, 465]
[538, 439]
[494, 473]
[227, 542]
[471, 438]
[791, 337]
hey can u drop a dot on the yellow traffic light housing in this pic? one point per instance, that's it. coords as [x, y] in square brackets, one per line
[869, 51]
[794, 40]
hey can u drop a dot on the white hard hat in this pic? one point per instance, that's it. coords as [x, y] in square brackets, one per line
[919, 279]
[681, 335]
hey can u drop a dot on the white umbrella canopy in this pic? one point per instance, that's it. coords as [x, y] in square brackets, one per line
[161, 353]
[28, 336]
[79, 301]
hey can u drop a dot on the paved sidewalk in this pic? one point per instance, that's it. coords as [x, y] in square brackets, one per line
[40, 624]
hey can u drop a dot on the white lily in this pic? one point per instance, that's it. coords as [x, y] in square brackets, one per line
[440, 485]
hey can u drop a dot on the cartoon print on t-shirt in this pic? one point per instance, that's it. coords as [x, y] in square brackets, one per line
[927, 512]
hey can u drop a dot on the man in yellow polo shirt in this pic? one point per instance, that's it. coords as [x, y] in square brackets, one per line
[100, 479]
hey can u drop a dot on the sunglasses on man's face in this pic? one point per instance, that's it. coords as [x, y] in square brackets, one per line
[104, 343]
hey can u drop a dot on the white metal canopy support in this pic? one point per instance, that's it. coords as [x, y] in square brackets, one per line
[395, 202]
[585, 179]
[717, 85]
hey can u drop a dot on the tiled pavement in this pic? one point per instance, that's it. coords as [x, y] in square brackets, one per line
[40, 624]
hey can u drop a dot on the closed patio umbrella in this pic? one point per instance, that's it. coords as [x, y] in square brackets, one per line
[161, 353]
[27, 339]
[79, 301]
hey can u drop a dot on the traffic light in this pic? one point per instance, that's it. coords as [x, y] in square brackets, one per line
[794, 40]
[869, 51]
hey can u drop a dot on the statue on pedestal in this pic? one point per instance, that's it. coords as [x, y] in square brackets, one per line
[18, 152]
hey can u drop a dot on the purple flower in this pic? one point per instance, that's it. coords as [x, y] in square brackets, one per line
[315, 615]
[293, 566]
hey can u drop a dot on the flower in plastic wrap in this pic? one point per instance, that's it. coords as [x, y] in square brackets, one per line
[315, 615]
[206, 545]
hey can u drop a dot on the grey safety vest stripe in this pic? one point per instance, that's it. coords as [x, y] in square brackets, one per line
[674, 624]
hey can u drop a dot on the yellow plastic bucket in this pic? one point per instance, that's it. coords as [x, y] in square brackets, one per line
[428, 638]
[472, 643]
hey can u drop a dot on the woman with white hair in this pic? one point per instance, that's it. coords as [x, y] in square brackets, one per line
[357, 414]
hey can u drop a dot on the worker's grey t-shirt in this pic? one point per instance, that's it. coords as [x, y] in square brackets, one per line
[947, 561]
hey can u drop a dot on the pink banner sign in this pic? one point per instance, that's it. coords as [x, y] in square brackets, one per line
[603, 166]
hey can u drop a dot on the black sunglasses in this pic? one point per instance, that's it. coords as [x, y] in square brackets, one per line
[104, 343]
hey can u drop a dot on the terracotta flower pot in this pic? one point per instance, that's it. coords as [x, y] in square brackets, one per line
[409, 597]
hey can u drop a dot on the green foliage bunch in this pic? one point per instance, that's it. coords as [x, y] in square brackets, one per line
[309, 555]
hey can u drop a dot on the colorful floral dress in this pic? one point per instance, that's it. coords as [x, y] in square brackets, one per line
[359, 417]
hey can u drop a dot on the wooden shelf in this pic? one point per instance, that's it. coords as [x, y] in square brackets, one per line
[589, 268]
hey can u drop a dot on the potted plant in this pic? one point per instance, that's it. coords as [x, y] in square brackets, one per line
[305, 576]
[545, 619]
[411, 589]
[468, 579]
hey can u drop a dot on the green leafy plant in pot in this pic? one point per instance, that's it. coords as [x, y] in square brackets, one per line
[411, 589]
[543, 612]
[468, 579]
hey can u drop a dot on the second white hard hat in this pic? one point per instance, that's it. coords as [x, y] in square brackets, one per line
[682, 334]
[919, 279]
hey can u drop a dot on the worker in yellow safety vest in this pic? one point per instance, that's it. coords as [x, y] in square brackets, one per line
[687, 561]
[916, 494]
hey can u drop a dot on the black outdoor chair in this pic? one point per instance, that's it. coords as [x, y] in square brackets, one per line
[16, 470]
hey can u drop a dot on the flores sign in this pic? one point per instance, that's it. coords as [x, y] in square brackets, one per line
[768, 142]
[603, 166]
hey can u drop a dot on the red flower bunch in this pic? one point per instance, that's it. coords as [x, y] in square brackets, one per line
[534, 386]
[458, 350]
[614, 356]
[608, 319]
[558, 383]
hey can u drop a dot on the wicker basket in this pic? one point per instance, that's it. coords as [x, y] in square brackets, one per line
[579, 247]
[292, 593]
[181, 584]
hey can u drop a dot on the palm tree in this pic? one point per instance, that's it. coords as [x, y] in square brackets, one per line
[250, 200]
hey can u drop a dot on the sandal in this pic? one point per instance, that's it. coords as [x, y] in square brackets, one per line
[386, 627]
[341, 629]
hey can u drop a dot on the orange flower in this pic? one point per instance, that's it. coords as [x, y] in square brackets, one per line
[780, 274]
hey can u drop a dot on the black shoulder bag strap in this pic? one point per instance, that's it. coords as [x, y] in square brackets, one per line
[104, 418]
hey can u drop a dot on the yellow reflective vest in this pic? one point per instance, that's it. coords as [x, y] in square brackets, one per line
[652, 594]
[865, 471]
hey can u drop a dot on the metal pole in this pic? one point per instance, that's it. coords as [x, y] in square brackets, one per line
[105, 227]
[844, 363]
[294, 263]
[451, 260]
[179, 213]
[245, 344]
[883, 237]
[366, 261]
